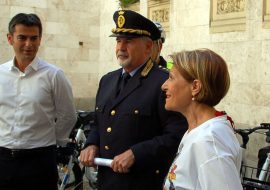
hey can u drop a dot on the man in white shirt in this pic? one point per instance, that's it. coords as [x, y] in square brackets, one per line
[36, 111]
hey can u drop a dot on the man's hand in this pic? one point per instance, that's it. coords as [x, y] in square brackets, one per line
[123, 162]
[88, 154]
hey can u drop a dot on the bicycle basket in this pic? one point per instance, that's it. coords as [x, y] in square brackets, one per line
[250, 181]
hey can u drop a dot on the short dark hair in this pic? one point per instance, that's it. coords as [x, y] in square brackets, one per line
[25, 19]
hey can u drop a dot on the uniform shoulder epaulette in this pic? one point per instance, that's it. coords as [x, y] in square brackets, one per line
[147, 68]
[163, 69]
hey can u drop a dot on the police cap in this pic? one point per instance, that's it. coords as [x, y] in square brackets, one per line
[132, 24]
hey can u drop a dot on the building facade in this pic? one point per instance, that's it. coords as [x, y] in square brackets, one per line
[76, 38]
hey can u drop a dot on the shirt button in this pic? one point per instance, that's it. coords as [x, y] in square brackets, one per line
[109, 129]
[136, 112]
[157, 171]
[113, 112]
[106, 147]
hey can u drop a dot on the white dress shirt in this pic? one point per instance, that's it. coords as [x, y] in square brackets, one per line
[208, 158]
[36, 107]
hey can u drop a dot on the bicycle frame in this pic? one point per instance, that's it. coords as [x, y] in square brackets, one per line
[66, 177]
[77, 141]
[265, 168]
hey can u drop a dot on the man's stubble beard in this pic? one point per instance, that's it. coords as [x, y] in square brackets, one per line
[124, 63]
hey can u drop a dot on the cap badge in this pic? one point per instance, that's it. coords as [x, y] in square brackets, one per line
[121, 19]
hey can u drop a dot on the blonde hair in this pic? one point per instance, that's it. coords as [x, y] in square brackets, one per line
[209, 68]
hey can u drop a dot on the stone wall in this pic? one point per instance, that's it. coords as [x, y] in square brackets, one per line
[70, 40]
[246, 49]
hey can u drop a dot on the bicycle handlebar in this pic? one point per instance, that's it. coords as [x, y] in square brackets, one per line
[246, 132]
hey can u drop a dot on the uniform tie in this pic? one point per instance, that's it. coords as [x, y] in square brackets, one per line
[123, 82]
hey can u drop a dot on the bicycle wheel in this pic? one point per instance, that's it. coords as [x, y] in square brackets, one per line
[75, 178]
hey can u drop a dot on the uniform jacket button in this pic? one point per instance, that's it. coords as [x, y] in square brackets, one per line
[113, 112]
[136, 112]
[157, 171]
[106, 147]
[109, 129]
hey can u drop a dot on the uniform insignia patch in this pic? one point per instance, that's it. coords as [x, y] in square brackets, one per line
[121, 19]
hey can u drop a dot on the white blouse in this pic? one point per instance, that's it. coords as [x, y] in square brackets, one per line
[208, 158]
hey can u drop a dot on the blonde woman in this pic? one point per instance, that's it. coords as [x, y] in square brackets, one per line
[209, 155]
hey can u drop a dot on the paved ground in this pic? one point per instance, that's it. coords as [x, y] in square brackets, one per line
[85, 185]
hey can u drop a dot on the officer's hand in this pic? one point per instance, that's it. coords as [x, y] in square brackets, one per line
[88, 154]
[123, 162]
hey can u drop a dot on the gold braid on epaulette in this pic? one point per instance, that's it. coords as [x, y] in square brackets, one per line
[147, 68]
[132, 31]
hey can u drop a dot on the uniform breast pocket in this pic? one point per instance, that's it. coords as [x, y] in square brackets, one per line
[143, 112]
[99, 109]
[145, 122]
[137, 114]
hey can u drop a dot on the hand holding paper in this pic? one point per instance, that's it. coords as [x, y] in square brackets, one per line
[103, 162]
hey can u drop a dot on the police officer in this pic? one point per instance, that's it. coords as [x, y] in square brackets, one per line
[132, 126]
[156, 57]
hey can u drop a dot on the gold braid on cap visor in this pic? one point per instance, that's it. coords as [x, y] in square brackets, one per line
[132, 31]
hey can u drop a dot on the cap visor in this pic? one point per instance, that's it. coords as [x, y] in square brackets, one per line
[125, 35]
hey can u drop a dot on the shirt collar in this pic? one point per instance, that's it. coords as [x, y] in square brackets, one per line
[33, 64]
[132, 73]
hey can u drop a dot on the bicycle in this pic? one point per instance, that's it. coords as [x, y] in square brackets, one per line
[255, 178]
[70, 171]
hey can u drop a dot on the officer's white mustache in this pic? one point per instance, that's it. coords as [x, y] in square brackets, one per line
[122, 54]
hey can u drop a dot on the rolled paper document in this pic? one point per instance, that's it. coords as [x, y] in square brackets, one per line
[103, 162]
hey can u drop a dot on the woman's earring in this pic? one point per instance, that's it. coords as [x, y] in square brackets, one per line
[193, 98]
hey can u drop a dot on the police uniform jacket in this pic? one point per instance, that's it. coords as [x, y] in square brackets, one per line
[136, 120]
[162, 62]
